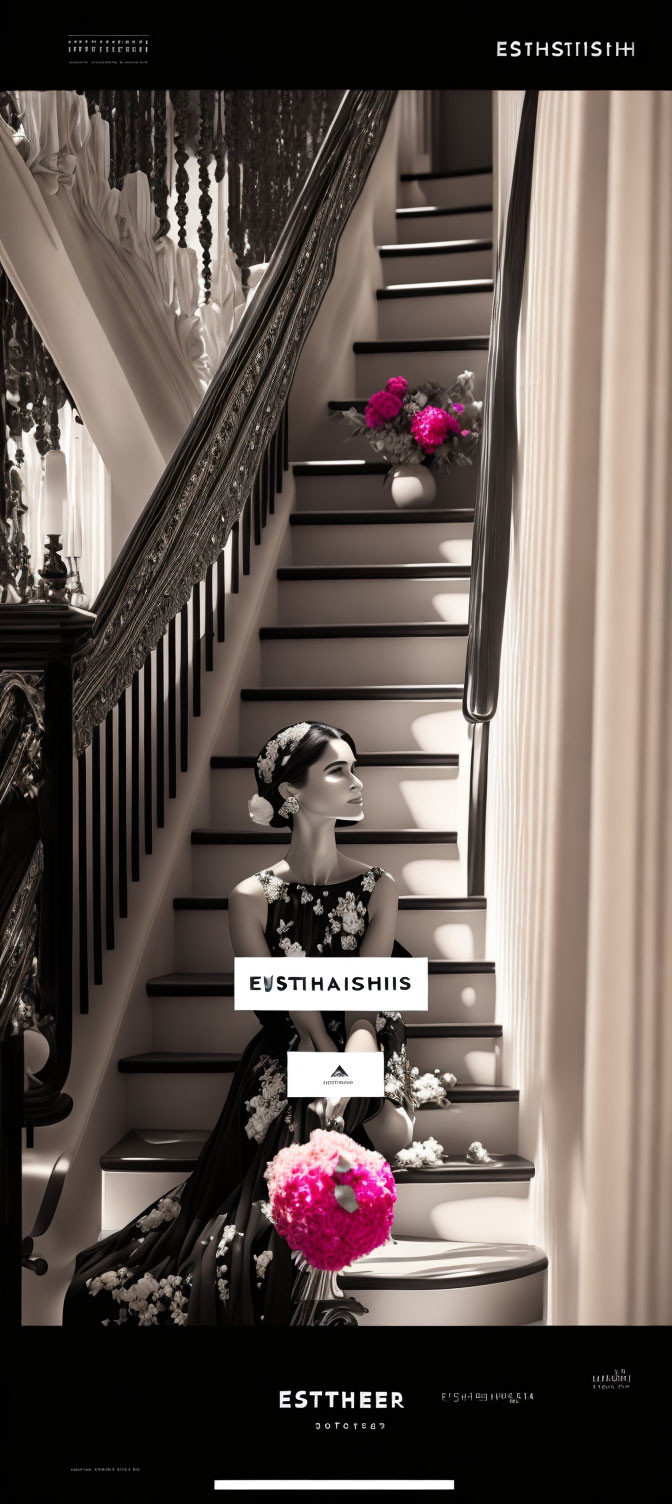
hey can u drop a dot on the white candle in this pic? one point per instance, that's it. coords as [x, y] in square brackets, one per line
[56, 492]
[76, 551]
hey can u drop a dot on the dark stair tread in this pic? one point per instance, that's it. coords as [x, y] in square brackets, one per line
[334, 518]
[436, 1264]
[455, 172]
[340, 467]
[408, 903]
[366, 629]
[207, 836]
[454, 1031]
[186, 1062]
[435, 247]
[469, 1091]
[142, 1149]
[431, 211]
[421, 346]
[305, 692]
[179, 1061]
[364, 760]
[435, 289]
[220, 983]
[436, 571]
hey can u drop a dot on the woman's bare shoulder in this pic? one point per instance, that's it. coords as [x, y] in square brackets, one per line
[386, 889]
[247, 893]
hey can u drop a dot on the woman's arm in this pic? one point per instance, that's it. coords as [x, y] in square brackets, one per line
[383, 907]
[247, 918]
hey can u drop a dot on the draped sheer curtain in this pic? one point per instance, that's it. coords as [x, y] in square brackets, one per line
[579, 821]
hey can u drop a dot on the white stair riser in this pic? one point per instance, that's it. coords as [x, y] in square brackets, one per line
[195, 1100]
[456, 1127]
[437, 868]
[469, 188]
[475, 1061]
[202, 941]
[434, 317]
[475, 225]
[473, 1211]
[182, 1100]
[393, 797]
[302, 602]
[363, 660]
[516, 1302]
[376, 725]
[373, 370]
[212, 1023]
[202, 1023]
[379, 543]
[128, 1193]
[442, 266]
[456, 488]
[332, 439]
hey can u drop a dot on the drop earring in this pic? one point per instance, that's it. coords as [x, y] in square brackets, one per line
[290, 807]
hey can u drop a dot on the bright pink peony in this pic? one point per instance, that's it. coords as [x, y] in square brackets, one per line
[430, 426]
[301, 1182]
[380, 408]
[458, 407]
[397, 385]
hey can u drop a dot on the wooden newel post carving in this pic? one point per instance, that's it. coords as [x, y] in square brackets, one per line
[37, 642]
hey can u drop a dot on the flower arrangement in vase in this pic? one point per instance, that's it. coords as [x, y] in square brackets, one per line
[332, 1201]
[420, 429]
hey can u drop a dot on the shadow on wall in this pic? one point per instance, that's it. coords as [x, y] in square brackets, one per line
[461, 129]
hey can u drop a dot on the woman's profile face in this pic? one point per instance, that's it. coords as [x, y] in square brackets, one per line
[333, 786]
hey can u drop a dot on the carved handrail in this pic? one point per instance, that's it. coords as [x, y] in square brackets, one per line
[492, 513]
[187, 520]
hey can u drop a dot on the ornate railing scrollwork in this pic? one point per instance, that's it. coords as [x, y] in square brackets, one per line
[187, 521]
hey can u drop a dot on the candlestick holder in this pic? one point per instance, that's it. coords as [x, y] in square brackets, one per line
[78, 595]
[54, 571]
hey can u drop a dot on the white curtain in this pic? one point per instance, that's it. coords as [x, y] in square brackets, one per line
[86, 514]
[579, 820]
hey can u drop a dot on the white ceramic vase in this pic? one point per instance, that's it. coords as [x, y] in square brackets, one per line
[413, 486]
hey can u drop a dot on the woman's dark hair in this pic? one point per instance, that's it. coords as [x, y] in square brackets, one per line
[295, 770]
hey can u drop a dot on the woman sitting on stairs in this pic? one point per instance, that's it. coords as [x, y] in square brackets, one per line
[206, 1253]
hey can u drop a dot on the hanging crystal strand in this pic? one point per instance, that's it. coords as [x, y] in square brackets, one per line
[180, 99]
[160, 183]
[145, 155]
[206, 104]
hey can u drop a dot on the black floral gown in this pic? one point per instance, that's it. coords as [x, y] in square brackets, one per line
[206, 1252]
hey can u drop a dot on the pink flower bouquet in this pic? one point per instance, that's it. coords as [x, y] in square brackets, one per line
[331, 1199]
[427, 425]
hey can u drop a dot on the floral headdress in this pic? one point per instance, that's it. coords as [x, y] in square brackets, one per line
[261, 810]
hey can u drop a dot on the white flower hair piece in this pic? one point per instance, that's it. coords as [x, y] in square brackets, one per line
[288, 739]
[261, 810]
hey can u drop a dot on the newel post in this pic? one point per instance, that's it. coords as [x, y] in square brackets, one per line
[37, 643]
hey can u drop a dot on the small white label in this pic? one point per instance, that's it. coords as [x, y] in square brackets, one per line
[363, 983]
[327, 1073]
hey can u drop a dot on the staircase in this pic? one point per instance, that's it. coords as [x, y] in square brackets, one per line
[372, 636]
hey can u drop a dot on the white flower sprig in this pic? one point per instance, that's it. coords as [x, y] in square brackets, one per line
[431, 1086]
[290, 739]
[421, 1152]
[261, 810]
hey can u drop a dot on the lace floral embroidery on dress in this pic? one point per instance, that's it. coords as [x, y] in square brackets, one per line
[270, 1101]
[146, 1298]
[166, 1210]
[229, 1232]
[273, 886]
